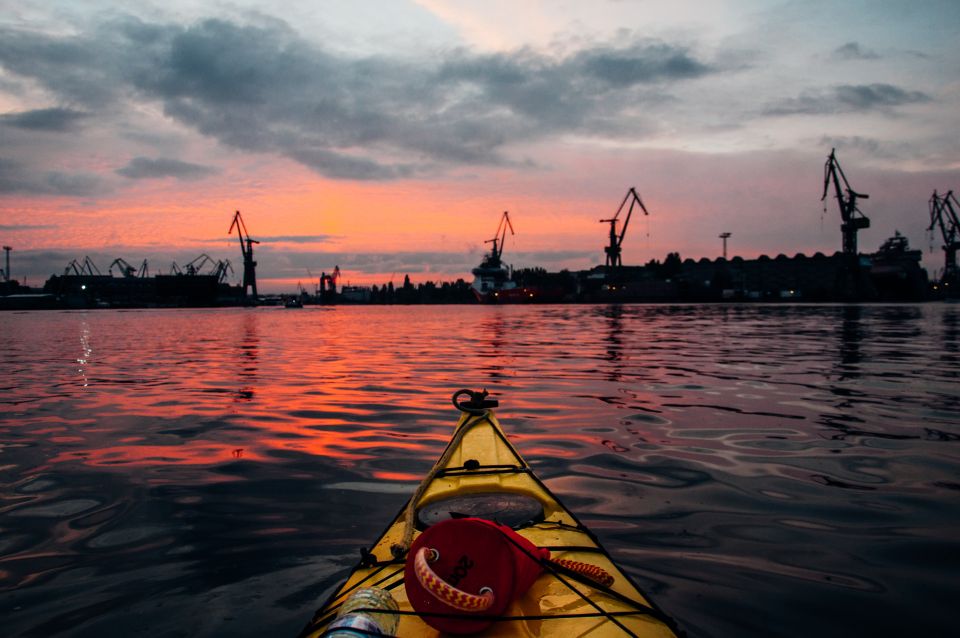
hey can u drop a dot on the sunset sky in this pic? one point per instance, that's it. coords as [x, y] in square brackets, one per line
[387, 136]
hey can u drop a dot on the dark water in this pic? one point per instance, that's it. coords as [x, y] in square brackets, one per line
[760, 470]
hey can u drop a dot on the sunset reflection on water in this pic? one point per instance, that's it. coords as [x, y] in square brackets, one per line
[240, 457]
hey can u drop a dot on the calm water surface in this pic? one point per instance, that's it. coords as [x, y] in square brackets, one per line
[760, 470]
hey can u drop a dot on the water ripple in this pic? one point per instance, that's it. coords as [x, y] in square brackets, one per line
[760, 469]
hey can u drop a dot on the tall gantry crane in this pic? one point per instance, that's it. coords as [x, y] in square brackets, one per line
[246, 247]
[943, 215]
[616, 238]
[498, 241]
[852, 218]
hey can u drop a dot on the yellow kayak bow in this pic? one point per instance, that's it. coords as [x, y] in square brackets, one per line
[480, 474]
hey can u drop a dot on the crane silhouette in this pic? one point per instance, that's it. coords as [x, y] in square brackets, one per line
[246, 247]
[852, 218]
[616, 238]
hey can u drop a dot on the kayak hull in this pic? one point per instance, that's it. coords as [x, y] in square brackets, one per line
[481, 461]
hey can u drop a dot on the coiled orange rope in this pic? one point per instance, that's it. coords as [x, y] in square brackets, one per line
[444, 591]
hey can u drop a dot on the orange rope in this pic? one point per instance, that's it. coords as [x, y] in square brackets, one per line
[593, 572]
[444, 591]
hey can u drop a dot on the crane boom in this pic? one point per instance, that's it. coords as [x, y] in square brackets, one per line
[223, 267]
[852, 218]
[90, 268]
[126, 270]
[501, 235]
[194, 266]
[612, 250]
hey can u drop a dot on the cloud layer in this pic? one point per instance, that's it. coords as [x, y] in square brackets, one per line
[146, 168]
[55, 119]
[18, 178]
[263, 88]
[129, 131]
[848, 99]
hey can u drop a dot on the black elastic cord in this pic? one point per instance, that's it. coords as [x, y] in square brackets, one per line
[583, 580]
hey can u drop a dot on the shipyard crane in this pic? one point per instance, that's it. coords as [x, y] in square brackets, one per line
[852, 218]
[500, 238]
[128, 270]
[328, 283]
[246, 247]
[193, 267]
[223, 266]
[616, 238]
[86, 267]
[91, 267]
[943, 215]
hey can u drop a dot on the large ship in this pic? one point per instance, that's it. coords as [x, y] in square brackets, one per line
[895, 271]
[492, 279]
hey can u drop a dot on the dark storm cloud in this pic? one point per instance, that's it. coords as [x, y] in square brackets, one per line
[263, 88]
[12, 228]
[553, 256]
[339, 165]
[294, 239]
[888, 149]
[872, 96]
[53, 119]
[848, 99]
[146, 168]
[642, 64]
[870, 146]
[853, 51]
[17, 178]
[80, 68]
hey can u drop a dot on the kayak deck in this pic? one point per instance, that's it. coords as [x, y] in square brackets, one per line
[479, 461]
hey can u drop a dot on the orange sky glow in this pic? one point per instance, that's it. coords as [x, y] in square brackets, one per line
[392, 147]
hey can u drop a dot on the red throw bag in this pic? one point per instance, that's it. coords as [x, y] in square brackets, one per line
[469, 567]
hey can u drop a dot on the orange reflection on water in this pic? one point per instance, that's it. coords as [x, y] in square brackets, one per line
[211, 387]
[396, 476]
[354, 384]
